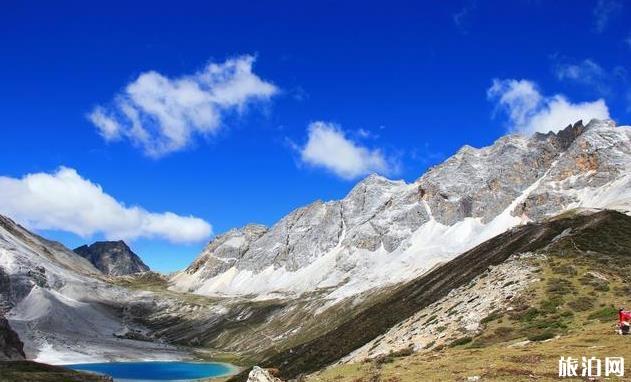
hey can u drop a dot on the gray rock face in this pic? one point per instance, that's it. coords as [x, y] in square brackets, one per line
[224, 251]
[526, 177]
[113, 258]
[366, 216]
[483, 182]
[11, 348]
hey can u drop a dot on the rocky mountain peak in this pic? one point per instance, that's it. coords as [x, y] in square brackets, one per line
[113, 258]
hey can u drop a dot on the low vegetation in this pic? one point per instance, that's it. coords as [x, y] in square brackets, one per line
[21, 371]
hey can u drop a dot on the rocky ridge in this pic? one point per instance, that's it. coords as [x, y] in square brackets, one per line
[385, 231]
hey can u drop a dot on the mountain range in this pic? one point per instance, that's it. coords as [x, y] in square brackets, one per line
[302, 294]
[385, 232]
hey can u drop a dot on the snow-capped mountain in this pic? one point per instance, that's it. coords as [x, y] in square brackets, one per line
[385, 231]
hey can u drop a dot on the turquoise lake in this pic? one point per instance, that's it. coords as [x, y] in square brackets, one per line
[157, 371]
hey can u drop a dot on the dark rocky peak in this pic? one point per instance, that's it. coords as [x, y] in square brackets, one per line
[563, 138]
[113, 258]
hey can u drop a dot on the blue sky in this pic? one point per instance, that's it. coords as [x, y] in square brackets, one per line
[247, 110]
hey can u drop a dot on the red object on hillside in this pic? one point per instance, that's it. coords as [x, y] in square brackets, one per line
[624, 318]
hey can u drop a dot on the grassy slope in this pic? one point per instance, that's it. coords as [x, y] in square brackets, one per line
[570, 311]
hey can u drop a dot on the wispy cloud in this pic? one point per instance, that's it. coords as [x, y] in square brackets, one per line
[329, 147]
[608, 82]
[603, 12]
[462, 18]
[162, 115]
[63, 200]
[586, 72]
[529, 111]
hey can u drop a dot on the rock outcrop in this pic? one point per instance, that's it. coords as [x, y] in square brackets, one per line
[261, 375]
[113, 258]
[11, 348]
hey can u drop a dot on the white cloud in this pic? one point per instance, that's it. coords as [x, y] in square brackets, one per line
[65, 201]
[162, 115]
[328, 147]
[108, 127]
[529, 111]
[603, 12]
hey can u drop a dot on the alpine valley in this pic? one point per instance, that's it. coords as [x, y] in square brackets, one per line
[513, 249]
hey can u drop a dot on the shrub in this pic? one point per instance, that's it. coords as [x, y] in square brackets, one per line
[546, 335]
[598, 284]
[491, 317]
[530, 314]
[550, 305]
[581, 304]
[503, 331]
[403, 352]
[605, 314]
[565, 269]
[566, 314]
[430, 320]
[546, 323]
[461, 341]
[382, 359]
[560, 287]
[500, 334]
